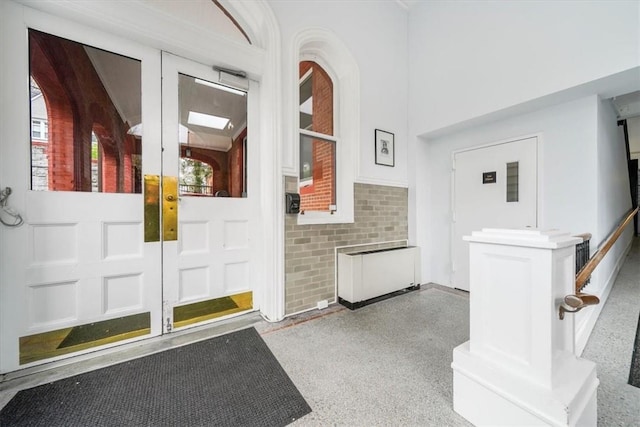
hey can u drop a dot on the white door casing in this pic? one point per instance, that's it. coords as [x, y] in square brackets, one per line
[479, 203]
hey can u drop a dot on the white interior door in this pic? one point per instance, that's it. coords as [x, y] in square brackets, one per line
[208, 258]
[77, 275]
[494, 187]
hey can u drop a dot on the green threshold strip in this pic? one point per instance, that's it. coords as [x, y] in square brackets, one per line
[68, 340]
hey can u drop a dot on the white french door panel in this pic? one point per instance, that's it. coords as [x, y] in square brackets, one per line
[88, 263]
[215, 253]
[482, 201]
[79, 257]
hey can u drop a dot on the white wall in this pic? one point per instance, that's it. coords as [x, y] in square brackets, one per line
[613, 178]
[39, 108]
[376, 35]
[471, 58]
[568, 193]
[614, 199]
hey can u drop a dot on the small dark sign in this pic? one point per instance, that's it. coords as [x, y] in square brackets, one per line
[488, 177]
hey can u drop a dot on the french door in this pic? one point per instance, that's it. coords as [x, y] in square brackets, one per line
[124, 237]
[207, 266]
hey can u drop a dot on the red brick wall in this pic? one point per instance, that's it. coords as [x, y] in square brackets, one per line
[58, 113]
[77, 104]
[236, 169]
[321, 194]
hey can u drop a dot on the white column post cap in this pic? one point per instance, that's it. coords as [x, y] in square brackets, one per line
[528, 237]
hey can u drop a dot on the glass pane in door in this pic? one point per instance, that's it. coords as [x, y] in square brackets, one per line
[212, 138]
[85, 117]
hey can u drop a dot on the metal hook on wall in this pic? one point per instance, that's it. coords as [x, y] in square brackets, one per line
[17, 218]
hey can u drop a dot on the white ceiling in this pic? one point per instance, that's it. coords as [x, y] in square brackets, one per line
[209, 100]
[120, 77]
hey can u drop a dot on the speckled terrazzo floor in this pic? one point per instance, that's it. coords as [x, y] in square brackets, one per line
[349, 366]
[611, 347]
[386, 364]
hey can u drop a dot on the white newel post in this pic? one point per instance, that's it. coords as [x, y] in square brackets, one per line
[518, 367]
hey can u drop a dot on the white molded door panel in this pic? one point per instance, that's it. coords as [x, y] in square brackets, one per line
[214, 252]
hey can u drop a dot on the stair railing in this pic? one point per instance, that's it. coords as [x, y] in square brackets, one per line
[583, 255]
[576, 302]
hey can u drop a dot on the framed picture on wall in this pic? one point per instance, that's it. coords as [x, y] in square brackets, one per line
[385, 148]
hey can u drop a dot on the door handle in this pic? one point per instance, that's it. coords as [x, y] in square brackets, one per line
[170, 208]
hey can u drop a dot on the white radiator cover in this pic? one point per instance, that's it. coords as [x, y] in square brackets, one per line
[366, 275]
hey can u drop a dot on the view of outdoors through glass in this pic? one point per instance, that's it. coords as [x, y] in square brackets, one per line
[86, 132]
[213, 139]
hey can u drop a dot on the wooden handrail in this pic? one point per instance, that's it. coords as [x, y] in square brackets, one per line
[593, 262]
